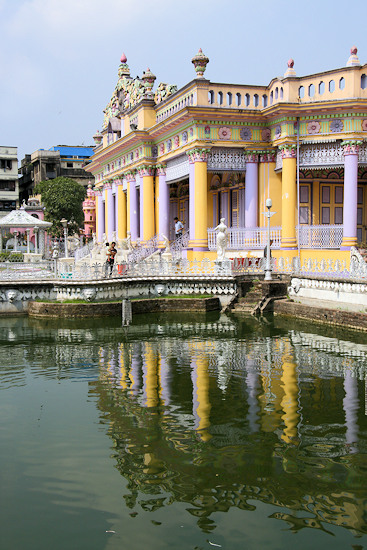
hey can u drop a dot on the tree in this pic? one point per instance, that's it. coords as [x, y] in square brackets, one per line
[62, 198]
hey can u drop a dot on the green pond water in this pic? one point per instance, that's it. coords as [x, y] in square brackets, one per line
[183, 431]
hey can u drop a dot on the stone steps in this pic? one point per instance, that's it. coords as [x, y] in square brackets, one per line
[248, 302]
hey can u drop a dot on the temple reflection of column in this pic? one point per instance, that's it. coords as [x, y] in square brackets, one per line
[289, 402]
[150, 373]
[123, 364]
[351, 405]
[252, 381]
[164, 380]
[201, 402]
[134, 374]
[272, 395]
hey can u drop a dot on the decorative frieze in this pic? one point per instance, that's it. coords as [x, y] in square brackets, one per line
[198, 154]
[252, 156]
[351, 147]
[161, 169]
[145, 170]
[267, 156]
[288, 151]
[130, 176]
[233, 160]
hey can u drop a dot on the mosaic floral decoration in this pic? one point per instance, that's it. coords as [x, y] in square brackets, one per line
[161, 148]
[154, 151]
[313, 127]
[224, 133]
[207, 129]
[169, 145]
[364, 125]
[245, 134]
[176, 141]
[184, 137]
[266, 134]
[336, 126]
[278, 131]
[191, 132]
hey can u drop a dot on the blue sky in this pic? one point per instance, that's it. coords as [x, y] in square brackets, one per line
[59, 58]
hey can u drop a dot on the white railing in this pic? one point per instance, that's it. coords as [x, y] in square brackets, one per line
[179, 244]
[241, 238]
[83, 251]
[320, 236]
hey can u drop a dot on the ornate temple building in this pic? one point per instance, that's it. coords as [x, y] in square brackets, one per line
[209, 151]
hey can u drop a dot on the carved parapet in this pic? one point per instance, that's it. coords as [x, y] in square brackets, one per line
[351, 146]
[288, 151]
[198, 154]
[146, 170]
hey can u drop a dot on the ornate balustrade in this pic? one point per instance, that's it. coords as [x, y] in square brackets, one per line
[320, 236]
[240, 238]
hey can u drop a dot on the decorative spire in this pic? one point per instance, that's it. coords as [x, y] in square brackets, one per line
[98, 138]
[353, 60]
[124, 67]
[290, 71]
[148, 78]
[200, 62]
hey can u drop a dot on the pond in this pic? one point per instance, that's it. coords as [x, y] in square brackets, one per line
[182, 431]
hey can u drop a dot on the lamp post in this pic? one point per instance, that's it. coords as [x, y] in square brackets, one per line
[268, 215]
[64, 223]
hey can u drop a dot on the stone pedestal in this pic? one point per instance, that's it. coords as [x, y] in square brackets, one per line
[223, 267]
[30, 258]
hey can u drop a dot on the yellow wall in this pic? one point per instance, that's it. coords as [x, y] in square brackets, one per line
[275, 193]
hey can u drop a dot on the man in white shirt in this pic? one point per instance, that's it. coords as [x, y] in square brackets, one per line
[178, 228]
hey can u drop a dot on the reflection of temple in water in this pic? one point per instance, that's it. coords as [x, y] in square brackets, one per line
[217, 415]
[222, 423]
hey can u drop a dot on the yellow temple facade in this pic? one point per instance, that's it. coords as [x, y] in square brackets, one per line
[210, 151]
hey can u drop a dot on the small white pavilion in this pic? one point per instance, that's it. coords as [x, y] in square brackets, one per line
[20, 219]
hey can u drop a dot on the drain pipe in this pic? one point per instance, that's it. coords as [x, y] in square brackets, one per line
[298, 196]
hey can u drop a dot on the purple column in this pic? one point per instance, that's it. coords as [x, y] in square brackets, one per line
[192, 199]
[163, 204]
[251, 191]
[110, 212]
[139, 181]
[100, 222]
[351, 149]
[133, 209]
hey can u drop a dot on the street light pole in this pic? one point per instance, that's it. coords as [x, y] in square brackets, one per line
[64, 223]
[268, 215]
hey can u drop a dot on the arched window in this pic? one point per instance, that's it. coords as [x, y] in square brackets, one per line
[342, 83]
[331, 86]
[271, 97]
[238, 96]
[256, 100]
[301, 92]
[265, 100]
[321, 87]
[211, 97]
[364, 82]
[229, 99]
[311, 90]
[220, 98]
[276, 93]
[281, 93]
[247, 100]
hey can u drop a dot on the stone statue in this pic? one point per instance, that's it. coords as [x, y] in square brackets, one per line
[221, 239]
[126, 243]
[166, 243]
